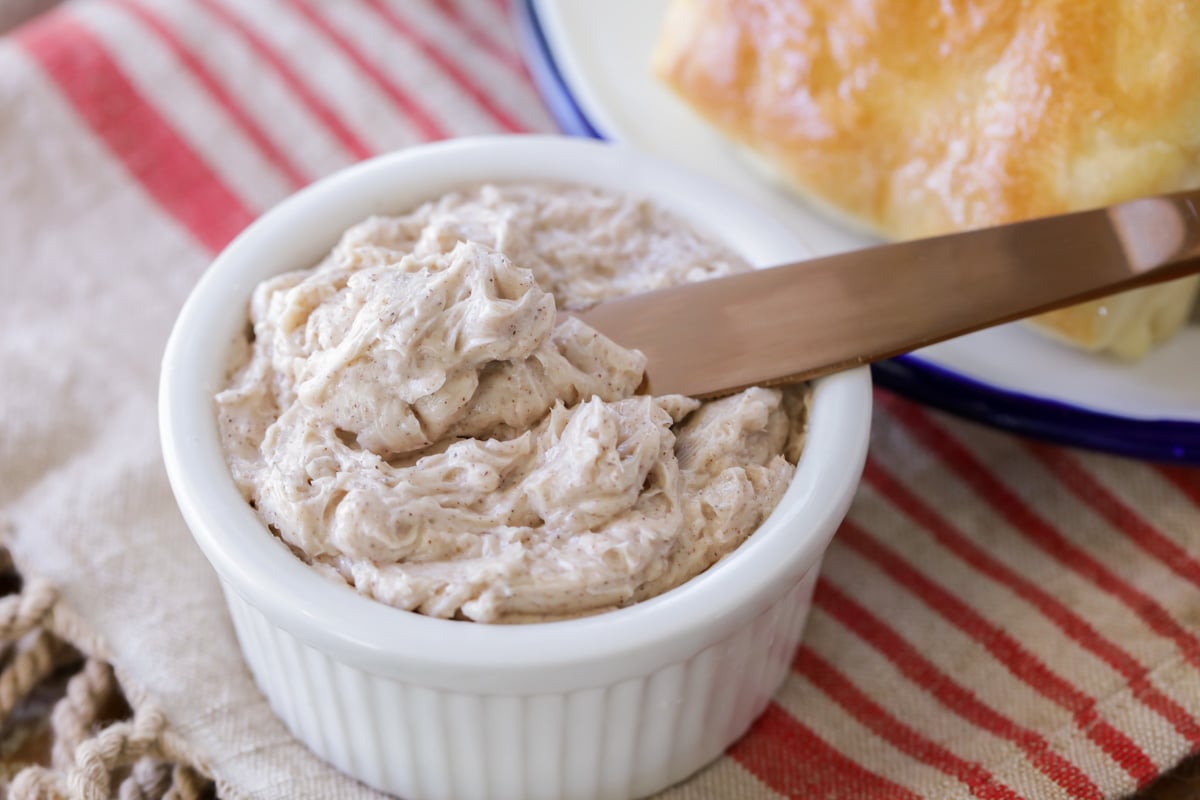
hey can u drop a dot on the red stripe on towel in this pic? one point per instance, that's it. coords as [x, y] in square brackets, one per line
[133, 130]
[418, 115]
[1119, 514]
[823, 675]
[315, 105]
[1008, 651]
[1037, 530]
[459, 76]
[479, 35]
[205, 77]
[1066, 620]
[793, 761]
[1185, 479]
[955, 697]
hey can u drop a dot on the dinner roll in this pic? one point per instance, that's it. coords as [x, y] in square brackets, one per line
[920, 117]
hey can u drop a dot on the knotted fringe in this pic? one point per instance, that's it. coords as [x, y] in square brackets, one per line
[92, 757]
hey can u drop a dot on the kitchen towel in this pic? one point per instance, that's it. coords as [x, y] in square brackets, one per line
[997, 617]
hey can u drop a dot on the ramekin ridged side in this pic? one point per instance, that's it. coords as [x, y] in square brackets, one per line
[627, 739]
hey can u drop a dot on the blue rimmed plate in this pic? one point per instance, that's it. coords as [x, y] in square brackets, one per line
[591, 64]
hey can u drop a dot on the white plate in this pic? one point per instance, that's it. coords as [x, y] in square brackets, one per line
[591, 61]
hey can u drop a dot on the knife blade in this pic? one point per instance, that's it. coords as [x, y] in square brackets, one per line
[798, 321]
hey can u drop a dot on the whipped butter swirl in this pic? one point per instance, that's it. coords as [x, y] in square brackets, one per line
[414, 417]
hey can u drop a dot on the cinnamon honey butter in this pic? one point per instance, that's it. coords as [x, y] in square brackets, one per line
[415, 417]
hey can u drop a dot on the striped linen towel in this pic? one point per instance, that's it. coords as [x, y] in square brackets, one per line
[996, 619]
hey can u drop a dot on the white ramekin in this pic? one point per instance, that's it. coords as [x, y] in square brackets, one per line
[617, 705]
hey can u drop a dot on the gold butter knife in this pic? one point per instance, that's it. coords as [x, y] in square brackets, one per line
[799, 321]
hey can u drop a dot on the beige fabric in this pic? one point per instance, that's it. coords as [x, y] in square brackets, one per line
[92, 755]
[997, 618]
[83, 485]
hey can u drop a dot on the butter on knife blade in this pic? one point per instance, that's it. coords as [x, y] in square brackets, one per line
[802, 320]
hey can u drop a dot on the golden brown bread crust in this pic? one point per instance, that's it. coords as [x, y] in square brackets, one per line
[926, 116]
[919, 117]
